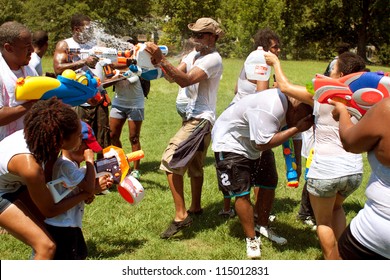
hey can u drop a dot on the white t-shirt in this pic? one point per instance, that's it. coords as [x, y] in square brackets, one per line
[129, 94]
[35, 63]
[64, 167]
[203, 95]
[253, 120]
[330, 160]
[244, 87]
[371, 226]
[12, 145]
[97, 71]
[182, 96]
[8, 80]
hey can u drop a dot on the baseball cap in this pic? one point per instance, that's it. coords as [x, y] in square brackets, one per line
[206, 25]
[89, 137]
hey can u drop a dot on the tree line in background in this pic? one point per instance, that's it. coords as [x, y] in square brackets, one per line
[309, 29]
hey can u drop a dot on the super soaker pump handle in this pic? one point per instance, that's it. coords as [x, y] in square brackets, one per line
[137, 155]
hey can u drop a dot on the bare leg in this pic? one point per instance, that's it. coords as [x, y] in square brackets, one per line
[116, 126]
[134, 134]
[196, 191]
[176, 185]
[226, 204]
[245, 213]
[264, 202]
[339, 222]
[324, 213]
[23, 225]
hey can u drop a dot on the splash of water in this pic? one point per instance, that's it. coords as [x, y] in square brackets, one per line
[103, 39]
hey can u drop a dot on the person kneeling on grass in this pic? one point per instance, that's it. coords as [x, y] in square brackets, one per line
[66, 227]
[242, 131]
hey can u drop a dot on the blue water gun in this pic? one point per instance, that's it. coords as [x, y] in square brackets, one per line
[290, 161]
[71, 88]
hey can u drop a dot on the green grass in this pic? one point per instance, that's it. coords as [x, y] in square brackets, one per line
[115, 230]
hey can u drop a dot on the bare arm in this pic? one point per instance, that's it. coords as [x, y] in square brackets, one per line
[183, 79]
[25, 166]
[284, 135]
[296, 91]
[88, 182]
[10, 114]
[61, 59]
[368, 133]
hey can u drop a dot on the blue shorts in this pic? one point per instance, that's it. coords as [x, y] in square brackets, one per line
[132, 114]
[343, 186]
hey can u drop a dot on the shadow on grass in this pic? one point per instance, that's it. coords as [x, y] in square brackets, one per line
[208, 220]
[117, 247]
[352, 207]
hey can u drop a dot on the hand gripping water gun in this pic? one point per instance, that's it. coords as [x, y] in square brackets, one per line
[291, 165]
[358, 91]
[141, 58]
[114, 163]
[72, 89]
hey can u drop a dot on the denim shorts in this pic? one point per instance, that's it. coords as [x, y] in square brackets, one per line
[343, 186]
[132, 114]
[8, 198]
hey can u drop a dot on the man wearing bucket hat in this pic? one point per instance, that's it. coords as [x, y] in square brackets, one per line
[187, 149]
[66, 227]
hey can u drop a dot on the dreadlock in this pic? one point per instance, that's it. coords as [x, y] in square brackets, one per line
[46, 125]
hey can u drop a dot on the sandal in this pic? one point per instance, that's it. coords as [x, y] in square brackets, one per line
[175, 227]
[199, 212]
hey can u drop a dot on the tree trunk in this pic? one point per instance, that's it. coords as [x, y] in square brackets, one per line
[362, 30]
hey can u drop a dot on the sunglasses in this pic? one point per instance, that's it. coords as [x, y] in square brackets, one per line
[200, 35]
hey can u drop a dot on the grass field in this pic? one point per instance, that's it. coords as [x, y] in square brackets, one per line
[115, 230]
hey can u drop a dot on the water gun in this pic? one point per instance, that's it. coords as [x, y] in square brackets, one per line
[114, 163]
[71, 88]
[308, 162]
[291, 165]
[138, 56]
[358, 91]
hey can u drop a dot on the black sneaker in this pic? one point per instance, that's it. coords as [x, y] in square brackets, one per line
[175, 227]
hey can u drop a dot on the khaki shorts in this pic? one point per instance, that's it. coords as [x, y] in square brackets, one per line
[195, 166]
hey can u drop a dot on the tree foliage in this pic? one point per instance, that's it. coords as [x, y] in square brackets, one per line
[308, 28]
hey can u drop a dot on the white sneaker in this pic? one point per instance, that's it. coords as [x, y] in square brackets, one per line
[253, 247]
[270, 234]
[311, 223]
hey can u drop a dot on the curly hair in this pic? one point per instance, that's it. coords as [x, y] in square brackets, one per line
[349, 62]
[263, 38]
[46, 125]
